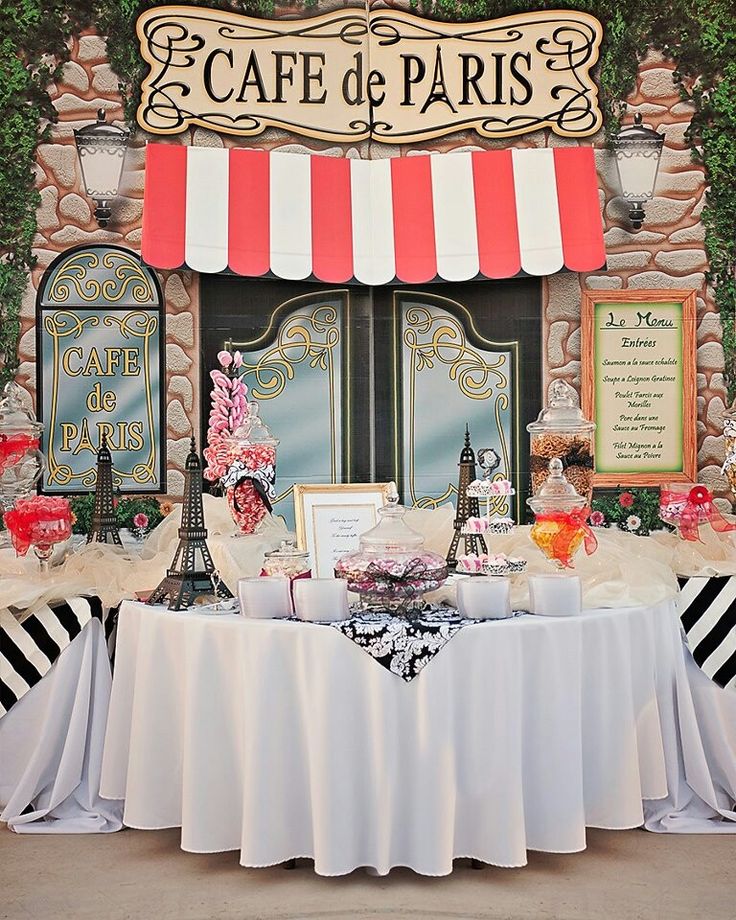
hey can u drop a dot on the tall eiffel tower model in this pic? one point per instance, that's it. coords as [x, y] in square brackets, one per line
[466, 507]
[104, 527]
[190, 574]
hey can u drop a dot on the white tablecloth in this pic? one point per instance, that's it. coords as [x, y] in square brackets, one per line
[51, 745]
[284, 739]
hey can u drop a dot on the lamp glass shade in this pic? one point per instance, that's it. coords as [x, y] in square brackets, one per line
[101, 148]
[637, 150]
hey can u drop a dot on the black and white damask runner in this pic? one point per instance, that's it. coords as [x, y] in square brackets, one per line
[29, 649]
[403, 645]
[708, 614]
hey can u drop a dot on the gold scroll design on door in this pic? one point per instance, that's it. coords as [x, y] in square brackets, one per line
[441, 340]
[62, 324]
[125, 283]
[304, 337]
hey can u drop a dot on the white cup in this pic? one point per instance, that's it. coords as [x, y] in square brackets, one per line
[322, 599]
[266, 597]
[484, 598]
[553, 595]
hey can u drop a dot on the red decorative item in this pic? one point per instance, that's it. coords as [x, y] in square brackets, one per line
[13, 447]
[688, 510]
[559, 534]
[40, 521]
[626, 499]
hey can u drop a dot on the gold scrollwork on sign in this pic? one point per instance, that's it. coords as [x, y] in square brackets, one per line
[304, 337]
[440, 339]
[125, 280]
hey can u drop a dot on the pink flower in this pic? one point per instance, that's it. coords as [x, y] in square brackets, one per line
[225, 358]
[597, 519]
[140, 521]
[626, 499]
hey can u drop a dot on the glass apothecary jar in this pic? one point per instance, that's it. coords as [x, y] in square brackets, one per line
[288, 560]
[251, 475]
[21, 461]
[391, 569]
[560, 519]
[561, 431]
[729, 435]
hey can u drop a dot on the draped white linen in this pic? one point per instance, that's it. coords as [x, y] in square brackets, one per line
[283, 739]
[51, 746]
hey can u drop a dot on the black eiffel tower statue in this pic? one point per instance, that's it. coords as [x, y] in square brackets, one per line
[104, 527]
[190, 574]
[466, 507]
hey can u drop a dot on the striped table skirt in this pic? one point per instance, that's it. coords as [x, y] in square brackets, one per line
[708, 613]
[29, 649]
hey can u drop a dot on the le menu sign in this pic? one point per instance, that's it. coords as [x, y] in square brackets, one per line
[353, 74]
[639, 385]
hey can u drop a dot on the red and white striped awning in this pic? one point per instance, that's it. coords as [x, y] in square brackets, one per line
[413, 219]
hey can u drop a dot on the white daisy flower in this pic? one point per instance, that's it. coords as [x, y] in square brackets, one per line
[633, 522]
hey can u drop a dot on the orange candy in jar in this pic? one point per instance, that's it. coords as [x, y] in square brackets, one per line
[560, 527]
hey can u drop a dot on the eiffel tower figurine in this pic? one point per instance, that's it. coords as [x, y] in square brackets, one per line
[190, 574]
[466, 507]
[104, 527]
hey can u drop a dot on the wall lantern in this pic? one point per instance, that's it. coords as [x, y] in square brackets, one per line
[101, 148]
[637, 150]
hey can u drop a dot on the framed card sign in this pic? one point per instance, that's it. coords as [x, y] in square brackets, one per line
[639, 385]
[331, 518]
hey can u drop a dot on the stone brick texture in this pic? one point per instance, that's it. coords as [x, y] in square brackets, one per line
[667, 253]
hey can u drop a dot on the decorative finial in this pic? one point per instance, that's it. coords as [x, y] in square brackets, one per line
[192, 445]
[103, 442]
[467, 435]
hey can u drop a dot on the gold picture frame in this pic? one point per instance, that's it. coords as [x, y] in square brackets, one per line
[331, 516]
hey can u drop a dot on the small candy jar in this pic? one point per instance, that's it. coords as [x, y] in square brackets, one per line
[561, 431]
[21, 462]
[251, 473]
[40, 522]
[561, 515]
[729, 435]
[288, 561]
[391, 569]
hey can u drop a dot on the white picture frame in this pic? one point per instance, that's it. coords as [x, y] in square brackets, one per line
[330, 519]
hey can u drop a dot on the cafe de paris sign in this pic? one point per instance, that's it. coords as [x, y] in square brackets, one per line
[384, 75]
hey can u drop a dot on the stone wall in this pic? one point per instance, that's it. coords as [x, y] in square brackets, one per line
[667, 253]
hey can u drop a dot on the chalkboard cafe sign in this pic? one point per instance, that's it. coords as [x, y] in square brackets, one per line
[350, 75]
[99, 328]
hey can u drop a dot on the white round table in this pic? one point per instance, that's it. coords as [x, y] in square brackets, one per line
[284, 739]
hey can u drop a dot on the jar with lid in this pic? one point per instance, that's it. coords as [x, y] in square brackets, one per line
[560, 519]
[288, 560]
[561, 431]
[21, 461]
[251, 474]
[729, 436]
[391, 569]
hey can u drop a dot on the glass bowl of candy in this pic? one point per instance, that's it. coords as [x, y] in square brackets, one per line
[560, 519]
[392, 569]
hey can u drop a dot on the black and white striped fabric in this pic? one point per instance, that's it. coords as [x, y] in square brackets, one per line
[708, 614]
[29, 649]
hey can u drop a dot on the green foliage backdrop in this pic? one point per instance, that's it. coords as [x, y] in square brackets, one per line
[699, 35]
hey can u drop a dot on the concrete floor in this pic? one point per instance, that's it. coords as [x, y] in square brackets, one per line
[623, 875]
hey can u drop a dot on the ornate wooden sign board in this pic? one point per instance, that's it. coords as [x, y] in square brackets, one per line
[350, 75]
[639, 385]
[100, 341]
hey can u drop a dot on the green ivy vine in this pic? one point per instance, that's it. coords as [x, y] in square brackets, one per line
[699, 35]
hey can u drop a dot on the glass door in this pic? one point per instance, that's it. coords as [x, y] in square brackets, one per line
[363, 384]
